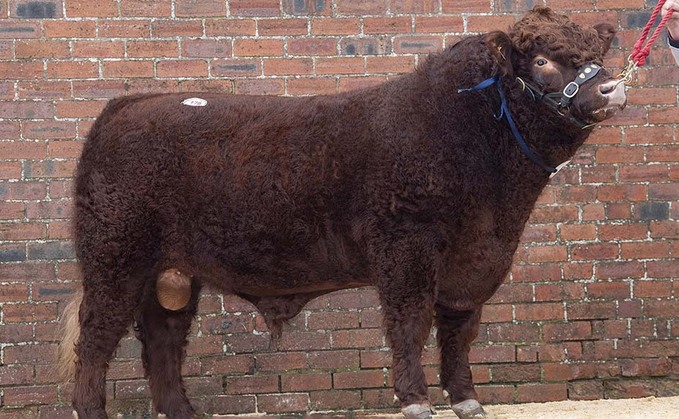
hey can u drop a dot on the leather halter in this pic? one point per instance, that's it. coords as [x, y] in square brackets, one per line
[559, 101]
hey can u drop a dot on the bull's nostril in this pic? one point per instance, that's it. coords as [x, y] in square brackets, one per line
[608, 88]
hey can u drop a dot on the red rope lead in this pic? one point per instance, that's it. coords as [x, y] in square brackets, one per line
[640, 52]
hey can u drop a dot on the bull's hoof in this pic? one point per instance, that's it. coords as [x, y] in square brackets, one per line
[469, 409]
[417, 411]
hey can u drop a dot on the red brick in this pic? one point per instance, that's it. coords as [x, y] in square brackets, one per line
[231, 364]
[334, 359]
[199, 8]
[359, 82]
[79, 108]
[306, 381]
[517, 333]
[22, 150]
[281, 403]
[238, 27]
[152, 49]
[14, 30]
[288, 66]
[387, 25]
[649, 135]
[620, 155]
[26, 110]
[21, 70]
[311, 46]
[20, 396]
[575, 232]
[492, 354]
[495, 394]
[162, 28]
[342, 65]
[536, 273]
[258, 8]
[206, 48]
[471, 6]
[594, 251]
[252, 384]
[662, 269]
[124, 69]
[12, 292]
[554, 214]
[360, 338]
[124, 28]
[285, 27]
[361, 8]
[43, 130]
[334, 26]
[593, 309]
[489, 23]
[311, 86]
[31, 49]
[282, 361]
[235, 67]
[515, 373]
[98, 49]
[87, 8]
[567, 331]
[543, 311]
[559, 292]
[182, 68]
[335, 399]
[537, 254]
[260, 47]
[358, 379]
[644, 250]
[493, 313]
[542, 392]
[142, 8]
[260, 87]
[70, 29]
[417, 44]
[72, 69]
[377, 65]
[24, 190]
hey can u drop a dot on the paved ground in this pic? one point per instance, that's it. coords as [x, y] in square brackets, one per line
[646, 408]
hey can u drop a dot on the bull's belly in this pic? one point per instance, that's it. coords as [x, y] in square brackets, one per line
[280, 274]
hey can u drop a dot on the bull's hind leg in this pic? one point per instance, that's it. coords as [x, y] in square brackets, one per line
[407, 296]
[455, 332]
[106, 312]
[163, 334]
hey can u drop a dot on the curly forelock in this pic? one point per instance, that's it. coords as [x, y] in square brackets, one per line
[543, 31]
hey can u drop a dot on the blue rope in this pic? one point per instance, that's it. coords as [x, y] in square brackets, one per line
[504, 111]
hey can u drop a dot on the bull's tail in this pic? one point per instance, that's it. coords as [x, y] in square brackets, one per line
[70, 332]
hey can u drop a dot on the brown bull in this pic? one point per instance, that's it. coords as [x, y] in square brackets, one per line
[419, 187]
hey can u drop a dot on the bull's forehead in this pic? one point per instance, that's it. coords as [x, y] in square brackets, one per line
[566, 42]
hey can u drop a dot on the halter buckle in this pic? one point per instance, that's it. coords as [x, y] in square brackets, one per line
[571, 90]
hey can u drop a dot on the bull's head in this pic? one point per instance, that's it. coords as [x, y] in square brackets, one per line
[560, 63]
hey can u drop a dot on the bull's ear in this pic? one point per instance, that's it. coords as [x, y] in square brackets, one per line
[606, 34]
[501, 50]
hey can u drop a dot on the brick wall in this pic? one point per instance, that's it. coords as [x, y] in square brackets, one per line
[589, 310]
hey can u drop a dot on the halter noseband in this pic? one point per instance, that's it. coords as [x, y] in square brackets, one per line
[558, 101]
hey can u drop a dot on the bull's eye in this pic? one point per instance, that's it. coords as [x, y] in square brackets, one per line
[540, 62]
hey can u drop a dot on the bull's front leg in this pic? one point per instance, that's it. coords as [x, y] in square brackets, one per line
[455, 332]
[407, 294]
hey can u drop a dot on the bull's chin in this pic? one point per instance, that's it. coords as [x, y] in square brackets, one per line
[605, 113]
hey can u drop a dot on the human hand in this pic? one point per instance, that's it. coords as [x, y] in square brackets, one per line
[673, 22]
